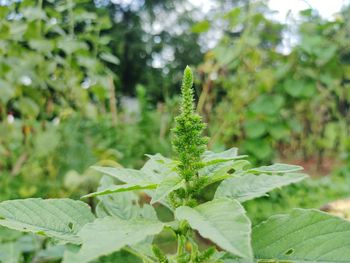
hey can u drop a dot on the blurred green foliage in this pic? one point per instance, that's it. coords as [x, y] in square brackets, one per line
[265, 100]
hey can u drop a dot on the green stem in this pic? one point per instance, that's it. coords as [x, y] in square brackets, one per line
[180, 246]
[71, 18]
[188, 195]
[39, 22]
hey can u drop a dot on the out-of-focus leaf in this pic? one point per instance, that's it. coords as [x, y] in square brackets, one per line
[110, 58]
[201, 27]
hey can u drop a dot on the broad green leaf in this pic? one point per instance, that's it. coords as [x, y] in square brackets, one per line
[251, 186]
[129, 176]
[278, 168]
[303, 236]
[212, 157]
[123, 205]
[122, 188]
[227, 154]
[10, 253]
[110, 234]
[158, 167]
[57, 218]
[223, 221]
[169, 184]
[149, 213]
[216, 178]
[119, 208]
[218, 171]
[154, 171]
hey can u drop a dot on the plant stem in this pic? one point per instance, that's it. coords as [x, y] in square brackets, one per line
[113, 102]
[71, 18]
[39, 22]
[180, 246]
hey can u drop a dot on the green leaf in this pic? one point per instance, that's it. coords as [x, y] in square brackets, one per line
[261, 149]
[251, 186]
[129, 176]
[108, 57]
[210, 157]
[158, 166]
[303, 236]
[218, 170]
[169, 184]
[279, 131]
[300, 88]
[255, 129]
[201, 27]
[110, 234]
[33, 13]
[216, 178]
[70, 254]
[46, 142]
[122, 188]
[278, 168]
[123, 205]
[41, 45]
[70, 46]
[57, 218]
[7, 91]
[10, 253]
[267, 104]
[154, 171]
[223, 221]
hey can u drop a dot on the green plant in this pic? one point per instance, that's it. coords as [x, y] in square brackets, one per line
[122, 223]
[296, 104]
[53, 57]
